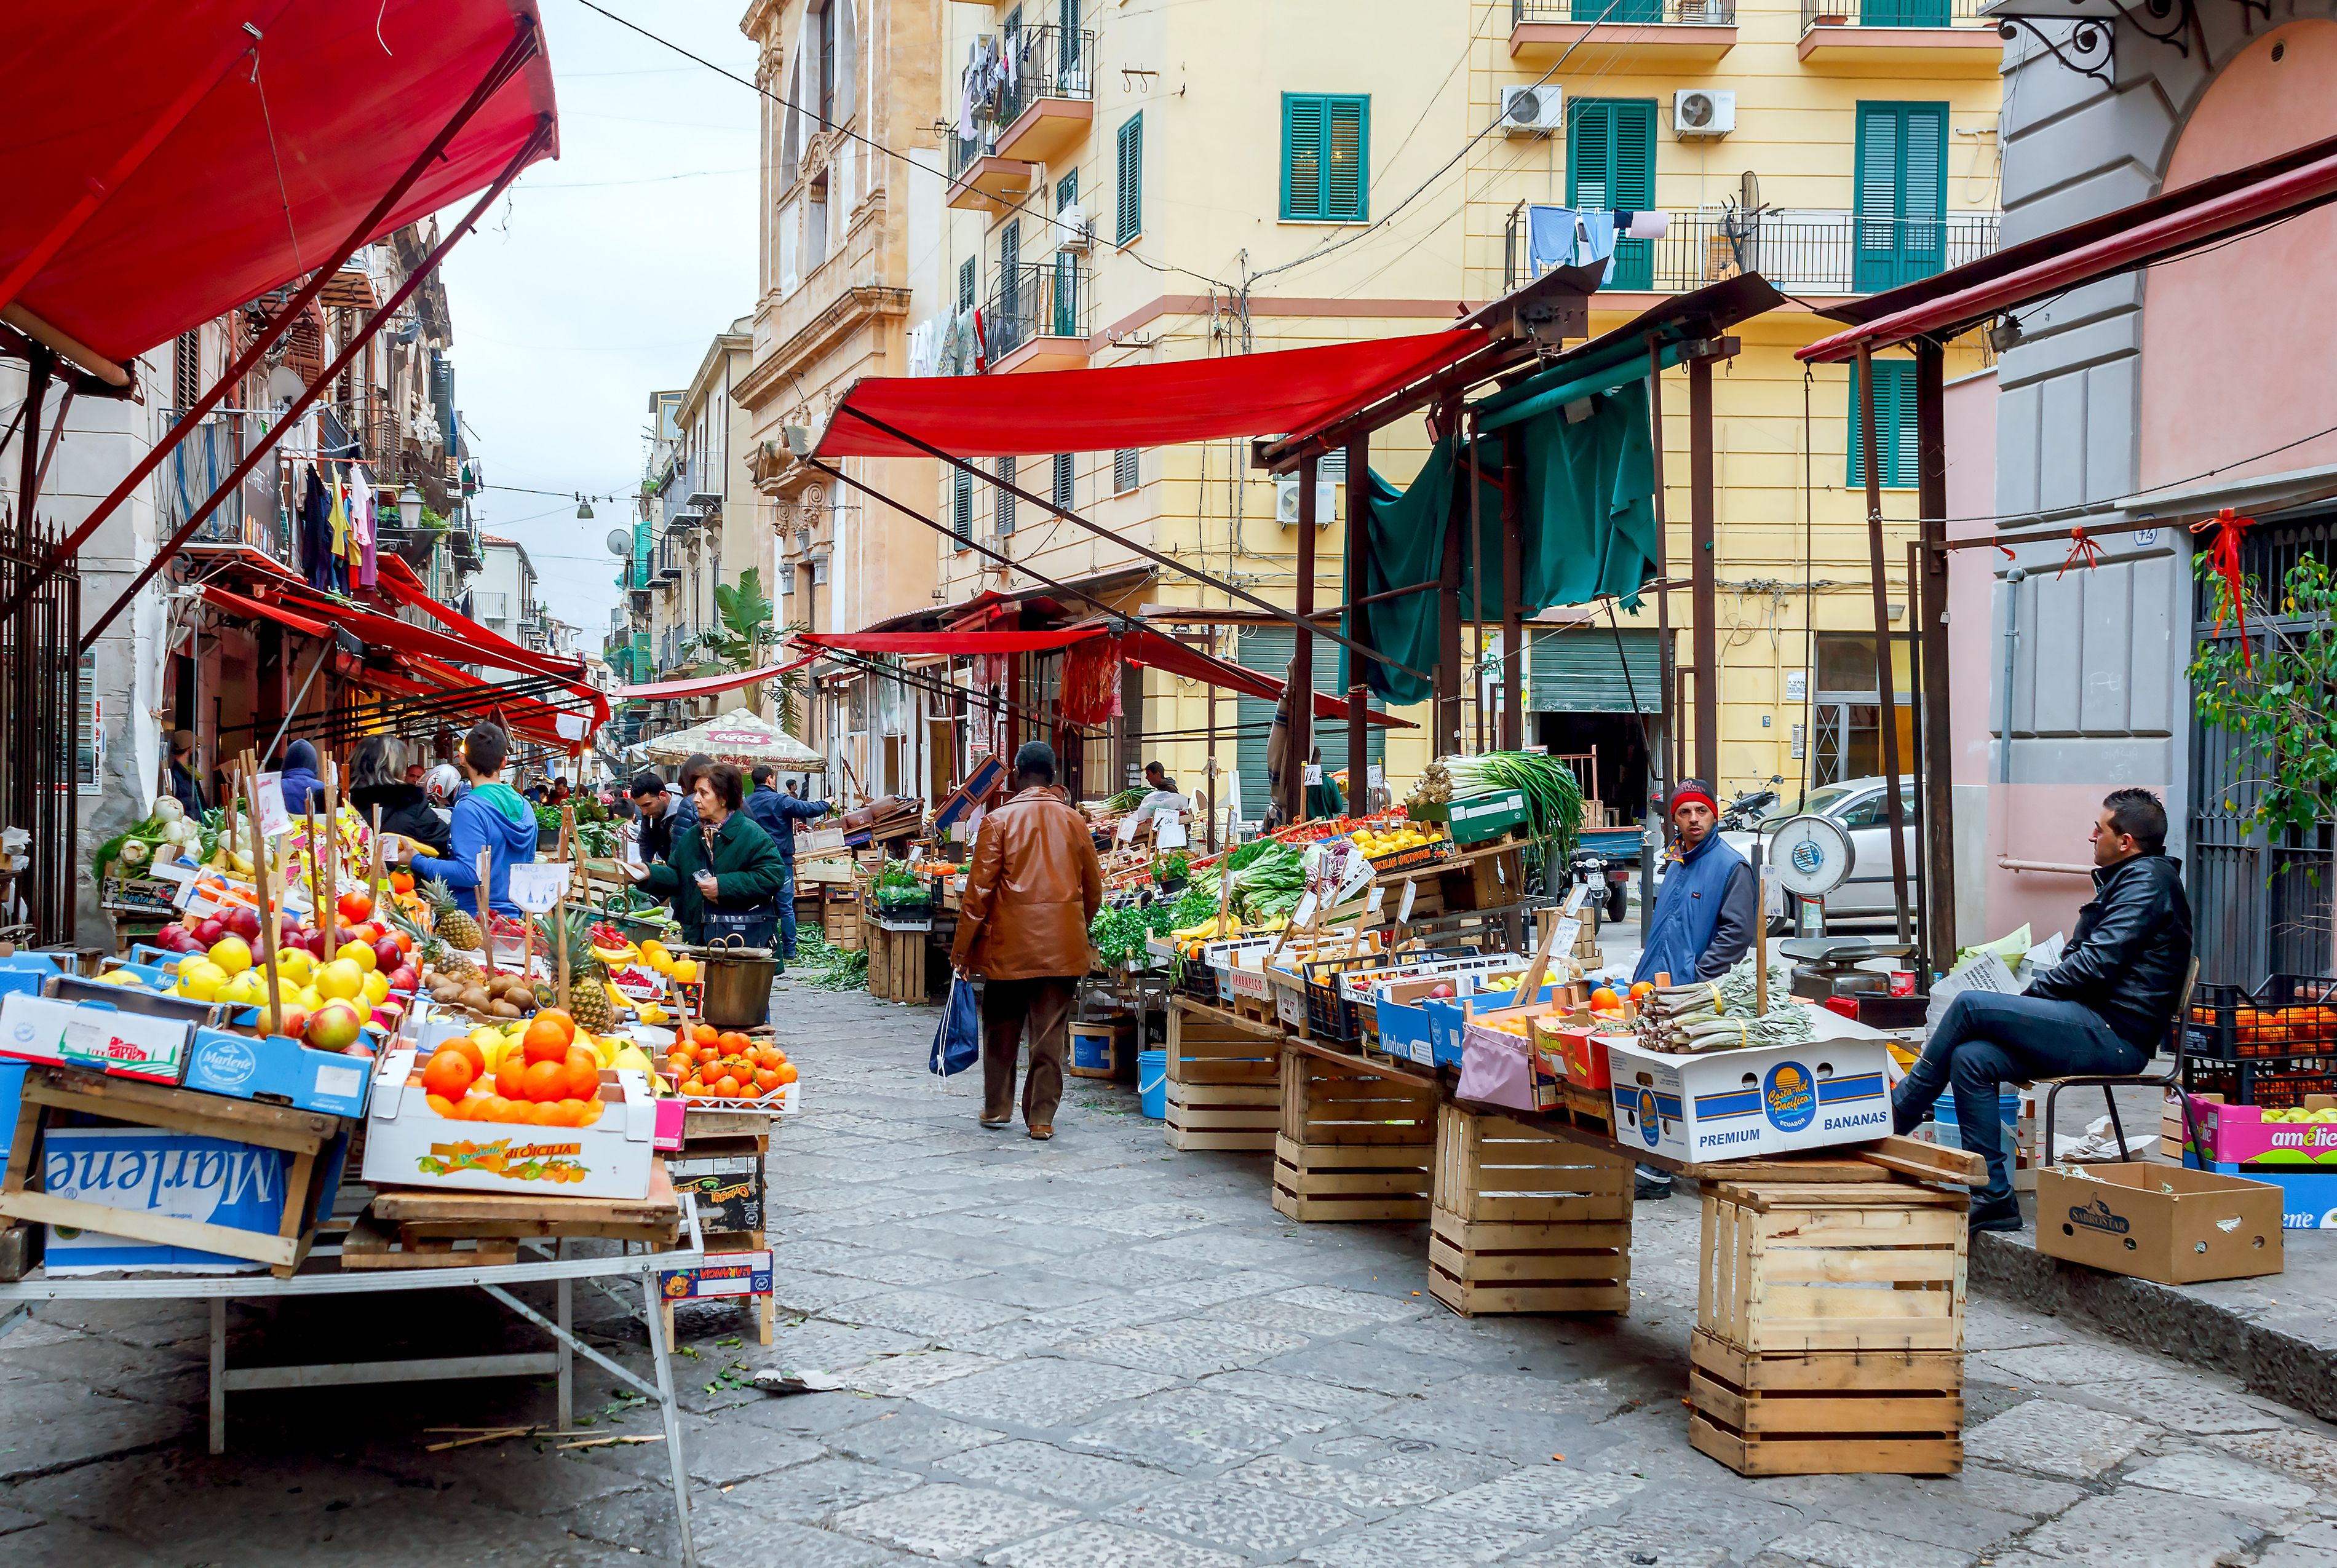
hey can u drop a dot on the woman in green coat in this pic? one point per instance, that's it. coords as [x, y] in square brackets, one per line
[724, 875]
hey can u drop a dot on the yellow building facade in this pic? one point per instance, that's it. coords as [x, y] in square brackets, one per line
[1148, 181]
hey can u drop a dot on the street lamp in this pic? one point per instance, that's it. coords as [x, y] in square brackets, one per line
[583, 508]
[409, 506]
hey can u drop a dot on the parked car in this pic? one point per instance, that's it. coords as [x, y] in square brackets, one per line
[1863, 807]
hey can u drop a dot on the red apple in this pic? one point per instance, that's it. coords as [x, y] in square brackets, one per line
[210, 931]
[404, 979]
[244, 922]
[335, 1026]
[388, 956]
[296, 1023]
[364, 1051]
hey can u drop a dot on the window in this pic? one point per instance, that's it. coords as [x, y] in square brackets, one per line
[1005, 499]
[1130, 178]
[1067, 17]
[187, 369]
[1902, 199]
[1894, 419]
[1063, 480]
[1846, 708]
[1067, 191]
[791, 222]
[1123, 471]
[1326, 152]
[824, 28]
[1610, 165]
[961, 507]
[965, 282]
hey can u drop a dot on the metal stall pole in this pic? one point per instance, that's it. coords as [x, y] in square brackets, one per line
[1887, 716]
[1932, 637]
[1513, 631]
[1302, 657]
[1662, 758]
[1917, 605]
[1355, 585]
[1703, 593]
[1448, 626]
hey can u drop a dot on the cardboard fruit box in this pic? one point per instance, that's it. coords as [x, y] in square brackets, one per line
[408, 1144]
[1761, 1100]
[2162, 1223]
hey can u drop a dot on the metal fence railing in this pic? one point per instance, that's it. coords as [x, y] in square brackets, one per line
[1626, 12]
[1801, 252]
[1047, 62]
[253, 514]
[1036, 299]
[1893, 13]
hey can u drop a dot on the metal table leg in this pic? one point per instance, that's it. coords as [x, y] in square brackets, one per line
[567, 1313]
[219, 1375]
[660, 1354]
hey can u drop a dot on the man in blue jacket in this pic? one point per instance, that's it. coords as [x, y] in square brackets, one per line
[777, 813]
[492, 817]
[1706, 907]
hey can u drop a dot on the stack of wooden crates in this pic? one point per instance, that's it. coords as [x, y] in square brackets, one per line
[1830, 1329]
[1352, 1144]
[1526, 1223]
[1223, 1084]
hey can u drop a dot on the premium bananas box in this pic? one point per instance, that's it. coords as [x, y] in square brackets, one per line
[1762, 1100]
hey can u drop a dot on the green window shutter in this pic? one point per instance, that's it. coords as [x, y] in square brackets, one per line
[1325, 156]
[1902, 198]
[1894, 412]
[1590, 152]
[1005, 498]
[1302, 155]
[965, 281]
[1130, 175]
[1063, 480]
[1067, 191]
[961, 508]
[1611, 166]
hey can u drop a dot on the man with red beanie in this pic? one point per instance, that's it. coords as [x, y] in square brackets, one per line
[1707, 904]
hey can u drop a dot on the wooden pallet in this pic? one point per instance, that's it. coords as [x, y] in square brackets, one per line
[1352, 1144]
[1522, 1222]
[435, 1212]
[897, 965]
[1826, 1412]
[370, 1243]
[1864, 1266]
[1224, 1083]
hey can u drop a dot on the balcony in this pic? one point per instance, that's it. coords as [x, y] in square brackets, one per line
[1801, 252]
[1899, 37]
[1049, 108]
[1621, 33]
[983, 180]
[1038, 316]
[251, 517]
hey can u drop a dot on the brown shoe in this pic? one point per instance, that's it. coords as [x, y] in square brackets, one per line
[999, 1122]
[1043, 1133]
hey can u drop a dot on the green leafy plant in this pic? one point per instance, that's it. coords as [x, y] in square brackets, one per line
[2278, 704]
[746, 630]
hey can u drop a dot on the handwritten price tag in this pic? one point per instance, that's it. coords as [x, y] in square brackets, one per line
[1404, 908]
[536, 886]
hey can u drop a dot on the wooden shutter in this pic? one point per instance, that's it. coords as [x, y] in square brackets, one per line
[1130, 174]
[1346, 149]
[1590, 152]
[1063, 480]
[961, 507]
[1610, 165]
[1894, 412]
[1902, 198]
[1005, 498]
[1302, 155]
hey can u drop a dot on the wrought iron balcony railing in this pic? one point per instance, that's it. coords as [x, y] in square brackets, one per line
[1037, 299]
[1627, 12]
[1800, 251]
[1047, 62]
[1893, 14]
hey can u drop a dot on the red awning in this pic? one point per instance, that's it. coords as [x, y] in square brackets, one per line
[2165, 226]
[260, 609]
[1132, 405]
[706, 685]
[951, 642]
[144, 151]
[1165, 653]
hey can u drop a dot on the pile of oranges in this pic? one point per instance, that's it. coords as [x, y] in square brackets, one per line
[550, 1081]
[725, 1065]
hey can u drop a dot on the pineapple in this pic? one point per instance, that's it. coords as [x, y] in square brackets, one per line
[436, 956]
[587, 1000]
[447, 920]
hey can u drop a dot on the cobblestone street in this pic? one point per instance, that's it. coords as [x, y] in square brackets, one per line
[1096, 1353]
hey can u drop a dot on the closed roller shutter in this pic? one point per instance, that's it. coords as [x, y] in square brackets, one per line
[1266, 649]
[1577, 669]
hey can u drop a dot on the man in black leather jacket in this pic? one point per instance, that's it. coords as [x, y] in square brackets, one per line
[2104, 1008]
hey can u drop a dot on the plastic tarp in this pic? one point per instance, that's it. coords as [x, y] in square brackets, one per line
[706, 685]
[334, 101]
[1588, 531]
[739, 736]
[1134, 405]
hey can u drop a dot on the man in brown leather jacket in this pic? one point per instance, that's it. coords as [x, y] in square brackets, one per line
[1034, 886]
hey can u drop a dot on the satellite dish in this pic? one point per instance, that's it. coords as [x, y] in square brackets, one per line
[619, 542]
[1748, 191]
[1813, 855]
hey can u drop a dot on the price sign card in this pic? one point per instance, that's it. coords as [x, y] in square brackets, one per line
[537, 885]
[1404, 907]
[268, 800]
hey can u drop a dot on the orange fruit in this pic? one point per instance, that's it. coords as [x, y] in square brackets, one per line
[551, 1021]
[1604, 1000]
[707, 1035]
[726, 1087]
[591, 1113]
[706, 1054]
[583, 1073]
[546, 1081]
[468, 1047]
[693, 1087]
[732, 1040]
[448, 1074]
[474, 1108]
[547, 1115]
[511, 1078]
[497, 1109]
[767, 1079]
[1641, 989]
[441, 1104]
[787, 1071]
[543, 1047]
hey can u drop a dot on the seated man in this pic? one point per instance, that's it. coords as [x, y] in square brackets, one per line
[2104, 1008]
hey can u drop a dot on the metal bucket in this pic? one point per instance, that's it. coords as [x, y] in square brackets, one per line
[737, 984]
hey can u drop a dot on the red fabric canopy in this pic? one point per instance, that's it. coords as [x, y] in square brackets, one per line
[1150, 648]
[260, 609]
[706, 685]
[345, 97]
[1136, 404]
[950, 642]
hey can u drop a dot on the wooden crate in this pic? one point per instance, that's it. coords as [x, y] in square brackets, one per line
[1826, 1412]
[1225, 1084]
[1525, 1223]
[1352, 1144]
[1864, 1266]
[897, 965]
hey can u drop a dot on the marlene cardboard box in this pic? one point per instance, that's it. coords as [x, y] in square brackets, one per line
[1763, 1100]
[155, 1171]
[2163, 1222]
[408, 1144]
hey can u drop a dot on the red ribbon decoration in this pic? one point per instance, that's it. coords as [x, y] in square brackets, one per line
[2224, 559]
[2083, 552]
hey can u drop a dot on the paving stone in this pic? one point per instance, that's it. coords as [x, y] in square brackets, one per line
[813, 1415]
[1618, 1545]
[1032, 1288]
[987, 1251]
[1413, 1540]
[2000, 1491]
[1356, 1303]
[1155, 1220]
[1834, 1546]
[910, 1437]
[867, 1263]
[804, 1291]
[1521, 1435]
[1119, 1311]
[2196, 1406]
[2139, 1528]
[942, 1520]
[1190, 1428]
[929, 1314]
[728, 1536]
[1231, 1249]
[1307, 1393]
[1020, 1336]
[1044, 1470]
[2313, 1546]
[1226, 1513]
[1133, 1270]
[1472, 1340]
[2305, 1454]
[2071, 1365]
[1042, 1392]
[820, 1345]
[1355, 1364]
[811, 1493]
[43, 1425]
[1209, 1290]
[2215, 1478]
[1091, 1544]
[1186, 1348]
[736, 1454]
[1055, 1239]
[1539, 1497]
[906, 1374]
[2057, 1439]
[1274, 1312]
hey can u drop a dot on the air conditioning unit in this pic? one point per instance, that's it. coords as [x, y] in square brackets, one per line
[1698, 111]
[1072, 230]
[1532, 110]
[1285, 503]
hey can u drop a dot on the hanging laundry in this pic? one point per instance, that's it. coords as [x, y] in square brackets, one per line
[315, 531]
[1596, 242]
[339, 520]
[364, 517]
[1549, 239]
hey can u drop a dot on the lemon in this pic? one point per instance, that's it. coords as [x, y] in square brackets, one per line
[685, 970]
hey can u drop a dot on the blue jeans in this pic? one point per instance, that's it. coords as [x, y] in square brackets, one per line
[787, 909]
[1986, 1039]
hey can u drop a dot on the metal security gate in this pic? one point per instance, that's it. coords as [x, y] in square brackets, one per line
[2258, 907]
[39, 694]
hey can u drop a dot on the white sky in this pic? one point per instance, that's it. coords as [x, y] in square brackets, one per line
[602, 277]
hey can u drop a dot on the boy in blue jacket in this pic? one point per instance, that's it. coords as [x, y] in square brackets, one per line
[492, 817]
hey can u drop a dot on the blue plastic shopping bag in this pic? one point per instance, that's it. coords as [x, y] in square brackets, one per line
[957, 1039]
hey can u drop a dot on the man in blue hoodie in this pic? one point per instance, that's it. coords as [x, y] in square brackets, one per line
[302, 788]
[491, 817]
